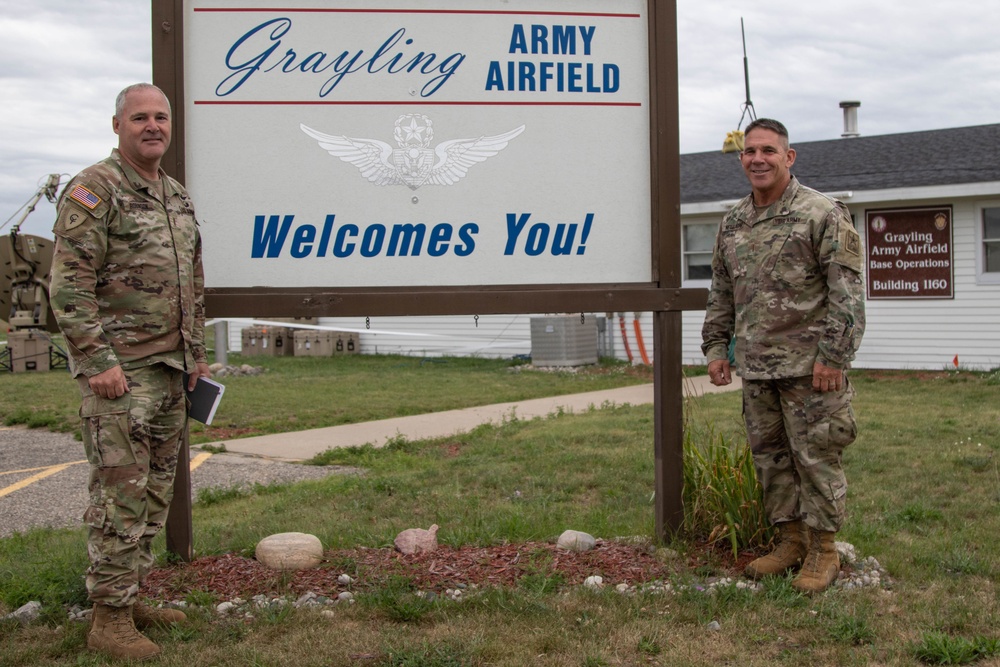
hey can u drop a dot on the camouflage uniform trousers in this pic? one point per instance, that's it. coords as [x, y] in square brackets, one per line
[132, 444]
[797, 436]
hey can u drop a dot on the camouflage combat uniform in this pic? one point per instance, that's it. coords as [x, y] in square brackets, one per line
[786, 281]
[127, 289]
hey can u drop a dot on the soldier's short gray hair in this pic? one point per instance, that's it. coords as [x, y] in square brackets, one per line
[120, 100]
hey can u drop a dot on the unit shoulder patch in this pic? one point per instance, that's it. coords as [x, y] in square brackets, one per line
[851, 242]
[72, 219]
[848, 247]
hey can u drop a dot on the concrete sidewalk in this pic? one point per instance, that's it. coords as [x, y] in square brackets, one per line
[299, 445]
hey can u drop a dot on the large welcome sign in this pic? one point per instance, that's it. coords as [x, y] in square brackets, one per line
[435, 157]
[413, 143]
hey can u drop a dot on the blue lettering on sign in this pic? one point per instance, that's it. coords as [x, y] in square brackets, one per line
[558, 77]
[342, 248]
[553, 75]
[275, 236]
[271, 239]
[562, 40]
[536, 241]
[257, 51]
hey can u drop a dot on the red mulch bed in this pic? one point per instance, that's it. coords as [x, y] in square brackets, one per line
[230, 575]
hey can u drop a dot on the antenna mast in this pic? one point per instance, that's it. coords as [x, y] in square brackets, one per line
[748, 105]
[733, 142]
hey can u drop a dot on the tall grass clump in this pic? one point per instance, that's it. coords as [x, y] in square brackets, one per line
[722, 499]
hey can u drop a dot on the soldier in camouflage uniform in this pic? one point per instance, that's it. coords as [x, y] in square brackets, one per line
[127, 291]
[786, 281]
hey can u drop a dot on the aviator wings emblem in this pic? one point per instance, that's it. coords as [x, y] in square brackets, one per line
[414, 163]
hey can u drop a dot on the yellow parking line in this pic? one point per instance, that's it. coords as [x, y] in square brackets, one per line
[201, 458]
[15, 472]
[34, 478]
[47, 471]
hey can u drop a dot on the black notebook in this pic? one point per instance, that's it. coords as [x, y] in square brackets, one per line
[205, 399]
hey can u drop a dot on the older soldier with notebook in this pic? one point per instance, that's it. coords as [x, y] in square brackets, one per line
[127, 292]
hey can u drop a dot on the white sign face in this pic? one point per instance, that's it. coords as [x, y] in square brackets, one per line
[445, 143]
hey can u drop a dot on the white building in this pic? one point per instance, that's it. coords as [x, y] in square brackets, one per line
[949, 179]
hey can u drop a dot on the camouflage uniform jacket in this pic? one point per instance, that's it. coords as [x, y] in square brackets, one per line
[127, 283]
[788, 284]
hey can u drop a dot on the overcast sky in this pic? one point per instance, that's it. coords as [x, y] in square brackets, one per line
[913, 64]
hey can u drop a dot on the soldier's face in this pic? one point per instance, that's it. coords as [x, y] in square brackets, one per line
[144, 128]
[767, 161]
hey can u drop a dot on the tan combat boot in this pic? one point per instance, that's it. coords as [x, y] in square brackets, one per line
[145, 616]
[822, 563]
[788, 554]
[113, 632]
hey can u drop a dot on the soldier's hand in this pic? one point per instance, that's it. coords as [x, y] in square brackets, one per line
[826, 378]
[110, 383]
[719, 373]
[201, 370]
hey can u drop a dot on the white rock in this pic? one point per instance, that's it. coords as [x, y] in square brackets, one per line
[290, 551]
[26, 613]
[225, 607]
[714, 626]
[595, 581]
[416, 540]
[345, 596]
[846, 551]
[345, 580]
[307, 598]
[574, 540]
[78, 614]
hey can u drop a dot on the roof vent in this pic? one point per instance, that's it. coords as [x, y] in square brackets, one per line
[850, 119]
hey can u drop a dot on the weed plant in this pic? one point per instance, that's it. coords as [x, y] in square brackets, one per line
[722, 499]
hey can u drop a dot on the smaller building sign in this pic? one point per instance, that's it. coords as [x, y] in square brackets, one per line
[910, 253]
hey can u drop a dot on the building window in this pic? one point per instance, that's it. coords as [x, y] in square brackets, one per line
[991, 240]
[699, 241]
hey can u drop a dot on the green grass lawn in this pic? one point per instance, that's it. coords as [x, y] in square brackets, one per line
[924, 499]
[297, 393]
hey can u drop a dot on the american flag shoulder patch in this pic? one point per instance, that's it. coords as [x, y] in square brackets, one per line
[85, 197]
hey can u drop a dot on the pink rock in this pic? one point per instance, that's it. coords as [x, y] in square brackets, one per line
[415, 540]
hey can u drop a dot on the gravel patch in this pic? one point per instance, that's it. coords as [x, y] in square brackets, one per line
[52, 473]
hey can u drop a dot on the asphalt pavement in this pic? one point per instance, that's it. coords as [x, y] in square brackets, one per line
[43, 475]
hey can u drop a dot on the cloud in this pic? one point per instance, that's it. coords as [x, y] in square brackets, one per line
[64, 63]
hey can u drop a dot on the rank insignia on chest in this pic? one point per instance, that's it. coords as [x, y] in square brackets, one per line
[84, 196]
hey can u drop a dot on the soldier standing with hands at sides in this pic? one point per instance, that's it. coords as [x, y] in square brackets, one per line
[127, 291]
[786, 281]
